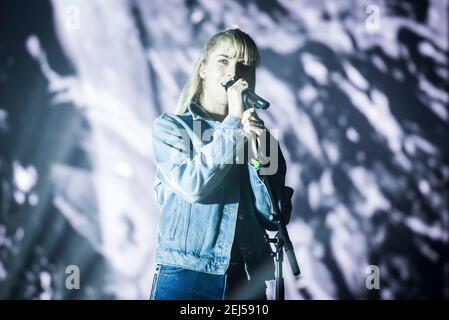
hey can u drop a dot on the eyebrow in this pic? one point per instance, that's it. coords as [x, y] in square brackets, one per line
[225, 56]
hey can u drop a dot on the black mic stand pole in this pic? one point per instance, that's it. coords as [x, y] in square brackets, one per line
[281, 241]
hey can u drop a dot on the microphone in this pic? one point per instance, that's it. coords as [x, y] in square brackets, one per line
[250, 99]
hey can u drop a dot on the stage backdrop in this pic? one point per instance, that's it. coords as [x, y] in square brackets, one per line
[358, 93]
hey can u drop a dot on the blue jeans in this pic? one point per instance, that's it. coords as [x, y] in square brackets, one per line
[176, 283]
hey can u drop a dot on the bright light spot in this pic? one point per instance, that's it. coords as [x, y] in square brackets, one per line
[123, 170]
[19, 197]
[197, 16]
[424, 187]
[315, 69]
[33, 199]
[24, 178]
[352, 135]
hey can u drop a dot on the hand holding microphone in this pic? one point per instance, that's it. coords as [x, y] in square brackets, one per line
[250, 99]
[241, 103]
[256, 131]
[234, 90]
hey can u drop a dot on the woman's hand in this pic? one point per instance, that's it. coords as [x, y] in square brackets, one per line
[255, 130]
[235, 101]
[252, 123]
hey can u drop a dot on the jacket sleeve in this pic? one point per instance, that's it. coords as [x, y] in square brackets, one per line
[276, 179]
[194, 172]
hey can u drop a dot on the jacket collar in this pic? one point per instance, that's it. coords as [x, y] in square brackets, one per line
[198, 112]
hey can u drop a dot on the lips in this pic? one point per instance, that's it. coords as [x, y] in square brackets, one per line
[222, 85]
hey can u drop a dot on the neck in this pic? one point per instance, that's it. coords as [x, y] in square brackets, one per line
[215, 110]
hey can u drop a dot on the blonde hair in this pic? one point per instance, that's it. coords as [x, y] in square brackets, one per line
[243, 46]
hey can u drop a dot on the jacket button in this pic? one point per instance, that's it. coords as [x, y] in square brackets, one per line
[241, 217]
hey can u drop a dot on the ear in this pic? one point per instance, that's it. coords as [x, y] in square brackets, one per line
[202, 71]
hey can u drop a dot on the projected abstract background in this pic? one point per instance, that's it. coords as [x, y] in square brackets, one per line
[358, 92]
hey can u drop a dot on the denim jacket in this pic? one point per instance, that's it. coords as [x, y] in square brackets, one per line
[205, 197]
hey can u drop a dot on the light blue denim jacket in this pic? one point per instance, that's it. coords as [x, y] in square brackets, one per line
[206, 198]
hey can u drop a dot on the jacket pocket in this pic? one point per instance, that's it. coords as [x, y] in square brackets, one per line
[155, 278]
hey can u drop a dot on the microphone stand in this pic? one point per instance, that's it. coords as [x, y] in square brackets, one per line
[281, 241]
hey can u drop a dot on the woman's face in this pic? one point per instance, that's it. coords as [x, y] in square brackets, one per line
[219, 68]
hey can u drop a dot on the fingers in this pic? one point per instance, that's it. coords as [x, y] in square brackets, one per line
[256, 123]
[255, 129]
[253, 154]
[253, 123]
[250, 117]
[239, 85]
[251, 114]
[248, 113]
[256, 118]
[258, 131]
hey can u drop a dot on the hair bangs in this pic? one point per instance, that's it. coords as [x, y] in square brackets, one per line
[242, 49]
